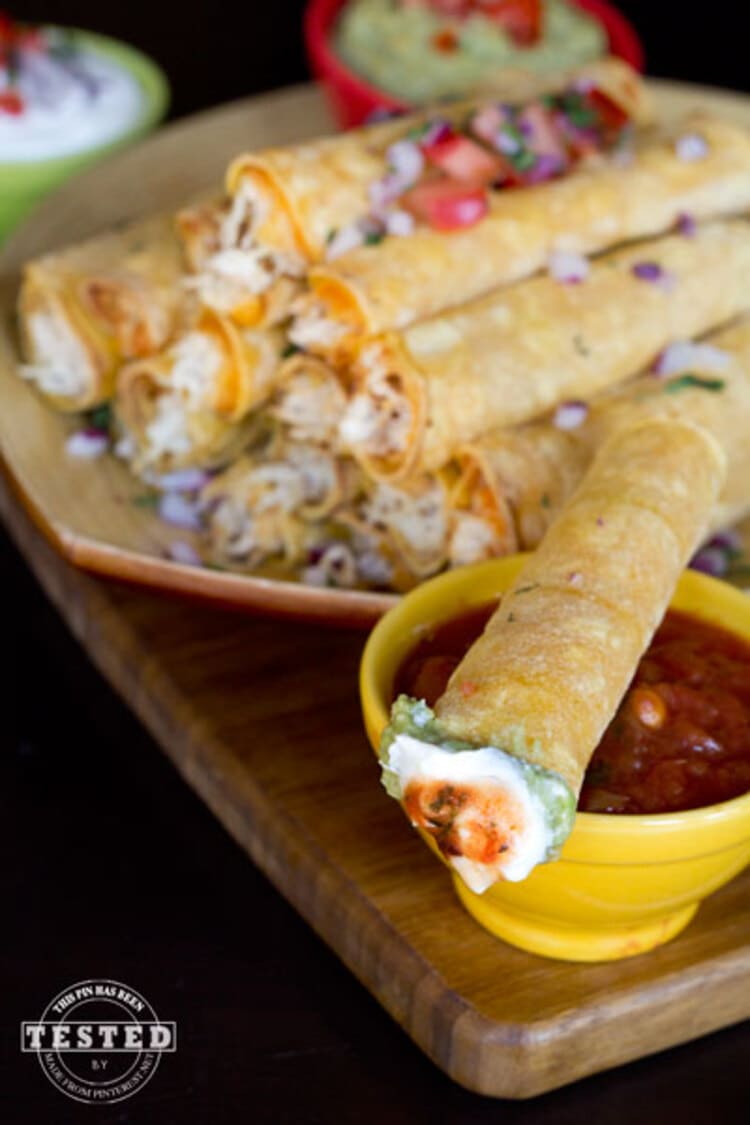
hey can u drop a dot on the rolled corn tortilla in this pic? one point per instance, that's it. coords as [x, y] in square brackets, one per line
[266, 504]
[392, 284]
[286, 204]
[85, 310]
[423, 393]
[524, 476]
[493, 775]
[309, 400]
[194, 404]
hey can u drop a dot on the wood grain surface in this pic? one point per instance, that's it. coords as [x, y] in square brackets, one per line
[262, 719]
[90, 516]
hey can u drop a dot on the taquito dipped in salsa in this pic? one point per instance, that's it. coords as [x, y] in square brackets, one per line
[695, 171]
[422, 393]
[494, 773]
[85, 310]
[295, 205]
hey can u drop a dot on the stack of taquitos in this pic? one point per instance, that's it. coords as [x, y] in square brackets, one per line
[493, 775]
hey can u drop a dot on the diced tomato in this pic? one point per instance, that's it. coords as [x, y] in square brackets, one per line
[521, 19]
[464, 159]
[611, 115]
[447, 204]
[446, 41]
[11, 102]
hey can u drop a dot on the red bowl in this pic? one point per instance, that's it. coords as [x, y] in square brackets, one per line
[353, 99]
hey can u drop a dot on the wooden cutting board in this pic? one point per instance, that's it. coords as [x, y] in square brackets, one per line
[262, 719]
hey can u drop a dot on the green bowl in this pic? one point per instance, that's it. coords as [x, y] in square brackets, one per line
[24, 183]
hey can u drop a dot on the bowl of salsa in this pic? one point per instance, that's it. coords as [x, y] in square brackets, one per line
[386, 56]
[67, 98]
[663, 818]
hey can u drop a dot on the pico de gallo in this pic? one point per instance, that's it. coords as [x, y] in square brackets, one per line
[442, 173]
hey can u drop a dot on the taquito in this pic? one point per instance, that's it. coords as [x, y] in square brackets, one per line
[494, 773]
[401, 280]
[192, 405]
[85, 310]
[499, 361]
[265, 505]
[309, 400]
[522, 477]
[288, 204]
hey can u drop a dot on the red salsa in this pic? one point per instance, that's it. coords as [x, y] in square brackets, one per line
[681, 736]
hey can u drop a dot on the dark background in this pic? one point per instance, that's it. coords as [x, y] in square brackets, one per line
[112, 867]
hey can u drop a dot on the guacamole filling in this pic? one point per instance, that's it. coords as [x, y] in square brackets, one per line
[492, 815]
[403, 48]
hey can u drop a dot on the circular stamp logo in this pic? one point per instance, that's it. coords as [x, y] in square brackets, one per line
[99, 1041]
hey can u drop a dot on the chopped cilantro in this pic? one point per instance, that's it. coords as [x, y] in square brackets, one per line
[373, 237]
[290, 349]
[146, 500]
[101, 417]
[545, 501]
[689, 380]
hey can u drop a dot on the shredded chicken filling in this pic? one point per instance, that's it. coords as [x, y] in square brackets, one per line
[61, 364]
[379, 419]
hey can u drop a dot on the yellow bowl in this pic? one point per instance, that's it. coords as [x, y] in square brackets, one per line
[623, 884]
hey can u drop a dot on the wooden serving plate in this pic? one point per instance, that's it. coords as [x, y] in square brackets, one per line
[86, 510]
[262, 719]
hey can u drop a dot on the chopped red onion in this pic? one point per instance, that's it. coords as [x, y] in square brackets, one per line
[177, 510]
[346, 239]
[575, 578]
[406, 160]
[686, 224]
[546, 167]
[87, 444]
[570, 415]
[486, 123]
[437, 130]
[568, 267]
[383, 192]
[182, 480]
[691, 147]
[727, 540]
[399, 223]
[710, 560]
[684, 354]
[185, 553]
[506, 143]
[647, 271]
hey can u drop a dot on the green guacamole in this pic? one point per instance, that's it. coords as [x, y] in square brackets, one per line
[415, 718]
[393, 47]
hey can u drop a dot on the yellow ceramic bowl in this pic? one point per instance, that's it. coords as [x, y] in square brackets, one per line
[623, 884]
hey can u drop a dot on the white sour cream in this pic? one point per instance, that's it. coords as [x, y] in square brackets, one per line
[413, 760]
[68, 108]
